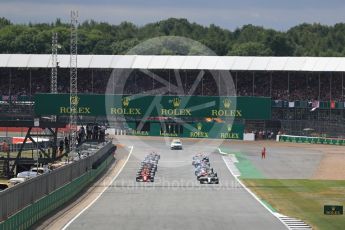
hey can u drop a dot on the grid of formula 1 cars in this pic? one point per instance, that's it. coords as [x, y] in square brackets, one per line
[148, 168]
[202, 167]
[203, 171]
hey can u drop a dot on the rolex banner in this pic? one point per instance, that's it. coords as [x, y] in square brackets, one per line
[211, 130]
[214, 130]
[258, 108]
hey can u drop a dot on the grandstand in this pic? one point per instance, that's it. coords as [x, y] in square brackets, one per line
[307, 92]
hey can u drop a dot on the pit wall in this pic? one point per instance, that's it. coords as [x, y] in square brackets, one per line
[36, 188]
[34, 212]
[310, 140]
[211, 130]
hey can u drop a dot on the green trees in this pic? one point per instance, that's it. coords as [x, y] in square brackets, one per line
[250, 49]
[4, 22]
[103, 38]
[317, 40]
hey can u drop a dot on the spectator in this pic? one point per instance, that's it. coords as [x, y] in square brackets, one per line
[5, 148]
[61, 147]
[95, 132]
[102, 133]
[88, 131]
[81, 135]
[66, 144]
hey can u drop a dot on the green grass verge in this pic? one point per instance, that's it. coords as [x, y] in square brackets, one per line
[246, 167]
[303, 199]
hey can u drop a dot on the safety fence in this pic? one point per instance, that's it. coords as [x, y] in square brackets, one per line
[22, 195]
[40, 208]
[310, 140]
[316, 128]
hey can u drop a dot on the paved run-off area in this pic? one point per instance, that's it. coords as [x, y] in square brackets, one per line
[175, 200]
[282, 161]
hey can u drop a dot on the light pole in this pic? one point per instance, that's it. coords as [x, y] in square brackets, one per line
[37, 150]
[37, 124]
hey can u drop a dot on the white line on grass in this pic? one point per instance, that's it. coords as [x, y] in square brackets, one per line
[275, 214]
[111, 182]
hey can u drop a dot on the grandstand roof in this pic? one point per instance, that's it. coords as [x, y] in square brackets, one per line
[179, 62]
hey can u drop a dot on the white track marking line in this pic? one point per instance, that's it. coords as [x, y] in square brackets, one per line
[275, 214]
[111, 182]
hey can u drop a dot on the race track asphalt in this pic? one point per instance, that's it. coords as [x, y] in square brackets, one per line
[175, 200]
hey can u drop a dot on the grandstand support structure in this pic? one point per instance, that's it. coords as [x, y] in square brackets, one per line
[47, 155]
[73, 79]
[31, 136]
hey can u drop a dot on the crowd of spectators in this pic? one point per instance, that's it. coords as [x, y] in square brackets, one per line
[92, 132]
[288, 86]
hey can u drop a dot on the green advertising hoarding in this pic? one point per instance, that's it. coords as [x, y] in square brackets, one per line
[256, 108]
[311, 140]
[192, 130]
[214, 130]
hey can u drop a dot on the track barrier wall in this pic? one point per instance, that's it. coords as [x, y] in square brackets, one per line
[24, 204]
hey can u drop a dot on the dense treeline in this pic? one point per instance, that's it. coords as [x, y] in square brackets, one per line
[103, 38]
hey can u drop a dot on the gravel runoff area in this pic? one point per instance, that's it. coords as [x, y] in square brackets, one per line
[175, 200]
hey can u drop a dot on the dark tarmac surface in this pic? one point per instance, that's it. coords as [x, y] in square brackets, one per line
[175, 200]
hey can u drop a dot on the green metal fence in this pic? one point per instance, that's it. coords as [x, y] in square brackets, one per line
[32, 213]
[311, 140]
